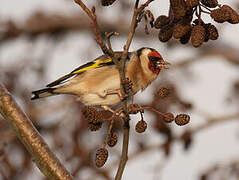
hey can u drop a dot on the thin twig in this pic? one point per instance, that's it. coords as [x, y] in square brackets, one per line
[108, 133]
[95, 27]
[46, 161]
[154, 110]
[108, 36]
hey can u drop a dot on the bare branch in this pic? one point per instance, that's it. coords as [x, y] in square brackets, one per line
[108, 36]
[46, 161]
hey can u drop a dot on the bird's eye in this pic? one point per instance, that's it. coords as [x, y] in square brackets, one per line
[154, 58]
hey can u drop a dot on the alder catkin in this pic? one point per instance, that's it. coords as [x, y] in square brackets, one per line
[180, 30]
[133, 108]
[192, 3]
[220, 15]
[182, 119]
[163, 92]
[107, 2]
[234, 16]
[210, 3]
[198, 35]
[185, 39]
[161, 21]
[94, 118]
[178, 8]
[101, 157]
[166, 33]
[212, 32]
[113, 139]
[168, 117]
[141, 126]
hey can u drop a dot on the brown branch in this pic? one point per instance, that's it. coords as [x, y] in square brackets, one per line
[41, 23]
[229, 53]
[46, 161]
[124, 156]
[214, 121]
[95, 27]
[153, 110]
[108, 133]
[108, 36]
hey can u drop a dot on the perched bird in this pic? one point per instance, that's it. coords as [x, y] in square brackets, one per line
[97, 83]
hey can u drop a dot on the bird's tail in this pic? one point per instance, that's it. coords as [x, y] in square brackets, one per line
[43, 93]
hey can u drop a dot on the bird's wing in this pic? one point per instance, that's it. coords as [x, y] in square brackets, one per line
[97, 63]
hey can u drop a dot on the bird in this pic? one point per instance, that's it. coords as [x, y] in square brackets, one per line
[97, 83]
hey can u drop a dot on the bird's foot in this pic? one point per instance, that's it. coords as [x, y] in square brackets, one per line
[119, 112]
[118, 92]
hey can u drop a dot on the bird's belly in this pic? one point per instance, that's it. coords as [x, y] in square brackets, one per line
[95, 92]
[93, 99]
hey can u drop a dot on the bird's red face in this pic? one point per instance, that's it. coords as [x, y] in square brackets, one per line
[156, 62]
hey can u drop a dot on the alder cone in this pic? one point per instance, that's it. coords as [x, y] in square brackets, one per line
[141, 126]
[234, 16]
[210, 3]
[180, 30]
[198, 35]
[94, 126]
[101, 157]
[192, 3]
[92, 115]
[221, 15]
[161, 21]
[166, 33]
[133, 108]
[185, 39]
[168, 117]
[113, 140]
[107, 2]
[178, 8]
[212, 32]
[94, 118]
[182, 119]
[163, 92]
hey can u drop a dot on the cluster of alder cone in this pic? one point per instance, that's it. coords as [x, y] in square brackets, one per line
[95, 119]
[181, 24]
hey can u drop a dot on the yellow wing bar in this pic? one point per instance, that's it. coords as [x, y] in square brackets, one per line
[92, 65]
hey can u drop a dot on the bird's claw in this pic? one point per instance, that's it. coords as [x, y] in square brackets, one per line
[123, 97]
[127, 84]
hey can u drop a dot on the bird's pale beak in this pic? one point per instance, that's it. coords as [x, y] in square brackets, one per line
[163, 64]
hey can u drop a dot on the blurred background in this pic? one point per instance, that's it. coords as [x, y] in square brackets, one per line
[43, 40]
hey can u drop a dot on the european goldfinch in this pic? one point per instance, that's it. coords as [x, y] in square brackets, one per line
[97, 83]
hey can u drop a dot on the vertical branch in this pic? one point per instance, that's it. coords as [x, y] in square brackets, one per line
[124, 156]
[46, 161]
